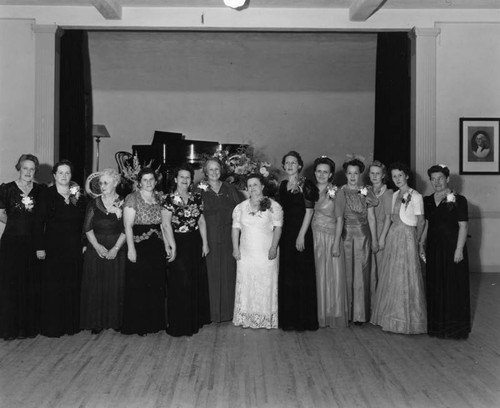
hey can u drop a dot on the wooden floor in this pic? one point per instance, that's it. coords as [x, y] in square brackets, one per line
[225, 366]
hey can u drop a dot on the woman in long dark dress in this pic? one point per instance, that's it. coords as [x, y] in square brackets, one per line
[219, 200]
[447, 270]
[58, 239]
[297, 301]
[187, 301]
[19, 267]
[104, 260]
[144, 291]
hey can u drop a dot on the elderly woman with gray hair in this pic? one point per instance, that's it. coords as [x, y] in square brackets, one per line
[104, 262]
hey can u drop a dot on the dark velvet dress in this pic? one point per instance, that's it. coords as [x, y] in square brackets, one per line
[144, 292]
[297, 301]
[448, 298]
[19, 266]
[59, 232]
[221, 266]
[103, 279]
[187, 298]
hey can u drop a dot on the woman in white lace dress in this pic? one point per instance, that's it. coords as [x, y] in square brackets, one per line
[257, 226]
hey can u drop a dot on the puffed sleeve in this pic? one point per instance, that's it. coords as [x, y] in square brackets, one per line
[311, 193]
[3, 196]
[131, 201]
[462, 208]
[417, 204]
[89, 216]
[339, 203]
[276, 214]
[237, 216]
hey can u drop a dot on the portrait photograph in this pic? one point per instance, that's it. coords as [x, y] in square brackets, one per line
[479, 139]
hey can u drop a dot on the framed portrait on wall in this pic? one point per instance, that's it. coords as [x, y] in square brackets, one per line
[479, 145]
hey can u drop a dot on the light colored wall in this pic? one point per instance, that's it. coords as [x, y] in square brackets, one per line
[17, 95]
[314, 93]
[468, 80]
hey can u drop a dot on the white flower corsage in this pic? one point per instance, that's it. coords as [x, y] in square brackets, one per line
[331, 191]
[28, 202]
[203, 186]
[116, 208]
[363, 191]
[406, 199]
[74, 194]
[451, 197]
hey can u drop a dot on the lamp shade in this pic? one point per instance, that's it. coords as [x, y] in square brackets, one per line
[99, 131]
[235, 3]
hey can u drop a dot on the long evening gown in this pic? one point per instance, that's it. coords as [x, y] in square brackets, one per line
[357, 247]
[382, 211]
[400, 305]
[144, 290]
[19, 266]
[330, 271]
[187, 300]
[256, 303]
[102, 279]
[447, 282]
[221, 266]
[59, 233]
[297, 301]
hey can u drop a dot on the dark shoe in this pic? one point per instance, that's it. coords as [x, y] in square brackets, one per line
[96, 331]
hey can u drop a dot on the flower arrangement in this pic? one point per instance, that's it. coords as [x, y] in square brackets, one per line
[131, 171]
[244, 162]
[74, 193]
[331, 191]
[27, 202]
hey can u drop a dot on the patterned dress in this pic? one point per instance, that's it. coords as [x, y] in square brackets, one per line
[187, 301]
[256, 303]
[19, 266]
[144, 293]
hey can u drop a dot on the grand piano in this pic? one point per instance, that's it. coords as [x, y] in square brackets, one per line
[168, 150]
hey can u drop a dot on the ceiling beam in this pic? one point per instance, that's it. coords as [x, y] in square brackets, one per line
[361, 10]
[109, 9]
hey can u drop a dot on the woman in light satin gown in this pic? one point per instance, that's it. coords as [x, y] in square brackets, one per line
[400, 305]
[360, 239]
[327, 223]
[378, 179]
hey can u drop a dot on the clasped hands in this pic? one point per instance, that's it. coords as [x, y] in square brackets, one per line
[105, 253]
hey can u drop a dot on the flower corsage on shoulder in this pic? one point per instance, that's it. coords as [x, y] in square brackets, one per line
[299, 185]
[202, 185]
[406, 198]
[117, 208]
[363, 191]
[451, 199]
[331, 191]
[75, 193]
[27, 203]
[264, 205]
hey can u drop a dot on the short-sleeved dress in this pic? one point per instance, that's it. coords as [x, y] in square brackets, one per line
[144, 292]
[19, 266]
[357, 247]
[103, 279]
[382, 211]
[297, 301]
[256, 303]
[400, 305]
[187, 301]
[448, 296]
[59, 232]
[221, 266]
[330, 271]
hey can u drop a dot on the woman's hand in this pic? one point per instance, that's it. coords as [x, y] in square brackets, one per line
[375, 247]
[132, 255]
[459, 255]
[205, 250]
[40, 254]
[171, 253]
[381, 244]
[101, 250]
[335, 251]
[112, 253]
[421, 251]
[273, 253]
[299, 243]
[237, 254]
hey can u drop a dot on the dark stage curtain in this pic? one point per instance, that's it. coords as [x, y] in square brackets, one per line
[392, 99]
[75, 104]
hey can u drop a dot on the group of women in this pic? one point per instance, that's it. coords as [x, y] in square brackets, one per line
[316, 256]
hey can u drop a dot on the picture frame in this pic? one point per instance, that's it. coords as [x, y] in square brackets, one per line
[479, 146]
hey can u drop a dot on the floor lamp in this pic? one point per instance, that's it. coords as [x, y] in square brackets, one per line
[99, 131]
